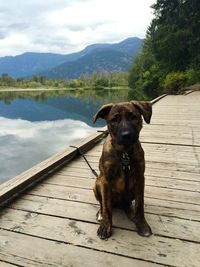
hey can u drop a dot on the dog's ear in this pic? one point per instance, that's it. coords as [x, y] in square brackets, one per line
[102, 112]
[145, 109]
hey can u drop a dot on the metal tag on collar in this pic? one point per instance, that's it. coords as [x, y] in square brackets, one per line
[125, 161]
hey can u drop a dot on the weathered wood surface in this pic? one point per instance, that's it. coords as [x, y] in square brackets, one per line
[53, 224]
[4, 264]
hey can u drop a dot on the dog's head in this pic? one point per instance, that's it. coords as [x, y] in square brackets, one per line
[124, 120]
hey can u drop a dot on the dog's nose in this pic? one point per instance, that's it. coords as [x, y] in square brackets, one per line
[126, 134]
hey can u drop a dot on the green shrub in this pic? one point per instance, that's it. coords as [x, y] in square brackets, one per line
[33, 84]
[192, 76]
[75, 83]
[101, 83]
[174, 81]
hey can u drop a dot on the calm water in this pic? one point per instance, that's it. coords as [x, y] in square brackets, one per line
[36, 125]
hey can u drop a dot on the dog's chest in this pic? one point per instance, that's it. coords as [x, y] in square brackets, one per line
[123, 181]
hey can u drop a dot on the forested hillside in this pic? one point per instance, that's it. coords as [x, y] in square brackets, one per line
[96, 57]
[99, 58]
[170, 58]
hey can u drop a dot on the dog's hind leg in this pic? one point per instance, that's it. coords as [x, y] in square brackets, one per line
[97, 194]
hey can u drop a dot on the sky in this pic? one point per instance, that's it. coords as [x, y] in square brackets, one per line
[66, 26]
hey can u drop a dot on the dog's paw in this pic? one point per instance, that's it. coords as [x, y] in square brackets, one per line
[104, 230]
[143, 229]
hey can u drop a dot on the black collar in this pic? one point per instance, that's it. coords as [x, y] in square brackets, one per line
[125, 161]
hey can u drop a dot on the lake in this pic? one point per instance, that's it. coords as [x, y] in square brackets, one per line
[34, 125]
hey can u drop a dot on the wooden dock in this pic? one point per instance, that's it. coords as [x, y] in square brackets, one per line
[53, 222]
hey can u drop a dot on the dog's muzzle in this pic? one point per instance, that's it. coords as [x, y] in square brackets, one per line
[127, 137]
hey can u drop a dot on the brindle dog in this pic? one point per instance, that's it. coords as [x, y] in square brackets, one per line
[122, 165]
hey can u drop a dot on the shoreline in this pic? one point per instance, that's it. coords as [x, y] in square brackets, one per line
[37, 89]
[58, 89]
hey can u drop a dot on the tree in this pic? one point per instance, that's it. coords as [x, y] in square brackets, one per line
[175, 33]
[42, 79]
[6, 80]
[172, 44]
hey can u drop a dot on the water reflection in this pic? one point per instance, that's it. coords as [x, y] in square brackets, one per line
[35, 125]
[24, 143]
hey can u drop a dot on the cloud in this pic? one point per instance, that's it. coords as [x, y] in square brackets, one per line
[62, 26]
[24, 143]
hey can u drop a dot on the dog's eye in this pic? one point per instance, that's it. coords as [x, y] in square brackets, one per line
[114, 119]
[131, 116]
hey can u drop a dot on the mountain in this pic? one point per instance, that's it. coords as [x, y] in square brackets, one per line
[28, 64]
[99, 58]
[95, 57]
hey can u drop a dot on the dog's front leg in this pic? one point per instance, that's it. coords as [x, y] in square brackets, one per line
[141, 224]
[105, 227]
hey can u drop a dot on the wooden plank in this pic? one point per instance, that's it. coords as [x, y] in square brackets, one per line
[182, 111]
[150, 171]
[85, 173]
[163, 148]
[187, 120]
[27, 178]
[191, 157]
[88, 183]
[175, 123]
[171, 150]
[65, 180]
[155, 100]
[163, 134]
[86, 195]
[185, 130]
[31, 251]
[172, 209]
[170, 139]
[177, 103]
[161, 225]
[188, 162]
[183, 185]
[158, 249]
[172, 166]
[5, 264]
[180, 100]
[160, 150]
[195, 90]
[176, 98]
[177, 110]
[173, 195]
[152, 163]
[84, 211]
[65, 193]
[171, 118]
[173, 174]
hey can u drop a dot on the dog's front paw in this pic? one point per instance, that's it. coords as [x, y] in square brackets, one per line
[104, 231]
[143, 229]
